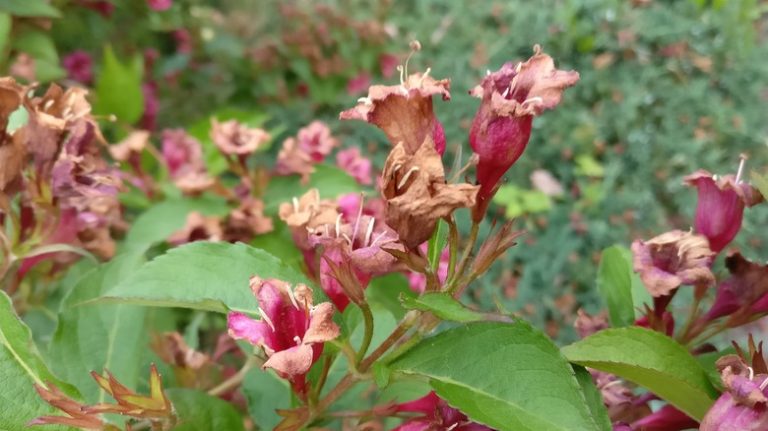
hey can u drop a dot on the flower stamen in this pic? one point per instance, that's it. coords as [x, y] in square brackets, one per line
[407, 176]
[266, 318]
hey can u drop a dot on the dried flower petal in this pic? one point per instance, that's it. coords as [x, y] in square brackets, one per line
[316, 140]
[293, 160]
[357, 166]
[233, 138]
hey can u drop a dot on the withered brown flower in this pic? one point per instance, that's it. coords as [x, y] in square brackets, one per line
[404, 112]
[234, 138]
[672, 259]
[293, 160]
[417, 194]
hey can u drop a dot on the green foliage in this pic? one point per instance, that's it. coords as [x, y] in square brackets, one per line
[518, 201]
[201, 275]
[443, 306]
[594, 398]
[198, 411]
[265, 393]
[651, 360]
[507, 376]
[95, 337]
[614, 280]
[118, 88]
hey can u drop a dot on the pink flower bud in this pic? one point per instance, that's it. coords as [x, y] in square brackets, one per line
[511, 97]
[720, 207]
[79, 66]
[159, 5]
[435, 414]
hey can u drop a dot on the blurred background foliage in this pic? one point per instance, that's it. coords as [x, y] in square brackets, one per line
[667, 87]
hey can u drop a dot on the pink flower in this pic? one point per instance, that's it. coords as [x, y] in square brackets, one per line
[180, 151]
[404, 112]
[291, 330]
[742, 291]
[352, 254]
[511, 97]
[183, 41]
[418, 281]
[388, 65]
[79, 66]
[436, 414]
[720, 207]
[233, 138]
[666, 418]
[744, 404]
[316, 140]
[159, 5]
[357, 166]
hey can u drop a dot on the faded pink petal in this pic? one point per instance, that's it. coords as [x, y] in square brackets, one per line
[159, 5]
[242, 327]
[358, 84]
[79, 66]
[181, 151]
[316, 140]
[321, 325]
[294, 361]
[234, 138]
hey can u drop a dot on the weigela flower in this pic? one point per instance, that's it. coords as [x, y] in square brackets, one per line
[247, 221]
[511, 97]
[180, 151]
[413, 184]
[587, 324]
[744, 404]
[436, 414]
[79, 66]
[673, 259]
[306, 214]
[151, 106]
[360, 245]
[404, 112]
[357, 166]
[667, 418]
[234, 138]
[293, 160]
[12, 149]
[291, 330]
[198, 227]
[316, 140]
[720, 207]
[741, 292]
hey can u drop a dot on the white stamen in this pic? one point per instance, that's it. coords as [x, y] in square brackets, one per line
[407, 176]
[751, 373]
[297, 340]
[369, 231]
[365, 101]
[327, 232]
[424, 75]
[266, 318]
[452, 427]
[518, 67]
[764, 384]
[357, 221]
[293, 299]
[295, 204]
[401, 69]
[47, 105]
[375, 240]
[741, 168]
[487, 72]
[505, 93]
[346, 237]
[338, 225]
[533, 100]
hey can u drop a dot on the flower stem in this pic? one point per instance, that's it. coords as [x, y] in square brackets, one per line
[464, 258]
[236, 379]
[368, 335]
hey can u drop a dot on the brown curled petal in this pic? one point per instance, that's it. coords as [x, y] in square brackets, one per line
[291, 362]
[321, 325]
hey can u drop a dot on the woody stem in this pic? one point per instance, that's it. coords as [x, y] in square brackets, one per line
[368, 335]
[236, 379]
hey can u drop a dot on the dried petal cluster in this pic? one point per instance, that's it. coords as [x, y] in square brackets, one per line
[299, 154]
[233, 138]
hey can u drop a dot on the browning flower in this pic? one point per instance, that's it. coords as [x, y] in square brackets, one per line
[134, 143]
[672, 259]
[306, 214]
[233, 138]
[247, 221]
[291, 330]
[720, 207]
[511, 97]
[198, 228]
[742, 291]
[436, 414]
[416, 192]
[404, 112]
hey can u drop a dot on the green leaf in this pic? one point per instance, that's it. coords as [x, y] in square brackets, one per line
[95, 337]
[204, 276]
[443, 306]
[161, 220]
[36, 43]
[6, 24]
[651, 360]
[198, 411]
[385, 290]
[594, 398]
[615, 285]
[506, 376]
[17, 119]
[437, 244]
[329, 180]
[279, 243]
[265, 392]
[29, 8]
[21, 366]
[118, 88]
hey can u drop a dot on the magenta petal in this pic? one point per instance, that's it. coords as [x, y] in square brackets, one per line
[242, 327]
[415, 425]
